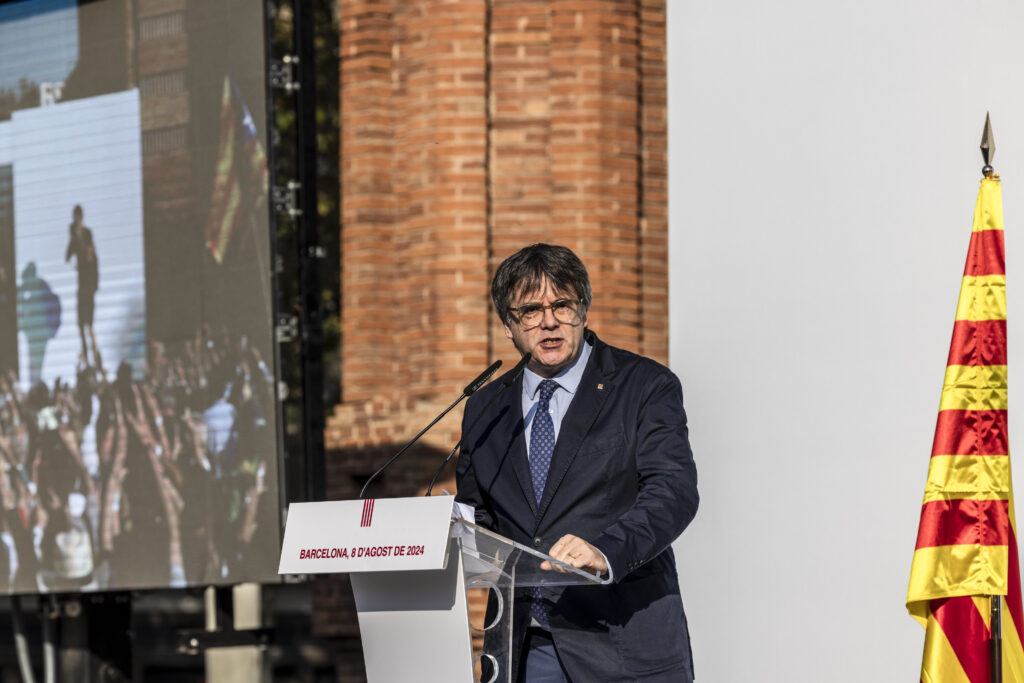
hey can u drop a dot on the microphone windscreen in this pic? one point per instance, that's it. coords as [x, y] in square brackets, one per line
[513, 375]
[482, 379]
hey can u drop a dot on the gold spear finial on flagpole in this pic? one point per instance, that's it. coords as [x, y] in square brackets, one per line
[988, 148]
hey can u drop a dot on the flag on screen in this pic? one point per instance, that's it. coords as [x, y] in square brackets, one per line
[966, 540]
[240, 181]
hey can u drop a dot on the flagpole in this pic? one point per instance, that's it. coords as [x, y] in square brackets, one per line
[996, 649]
[988, 150]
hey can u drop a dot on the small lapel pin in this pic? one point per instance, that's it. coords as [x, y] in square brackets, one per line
[600, 387]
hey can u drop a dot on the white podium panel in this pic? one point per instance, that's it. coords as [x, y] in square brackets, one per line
[414, 625]
[370, 535]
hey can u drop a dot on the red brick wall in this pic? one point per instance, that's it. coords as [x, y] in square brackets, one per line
[469, 129]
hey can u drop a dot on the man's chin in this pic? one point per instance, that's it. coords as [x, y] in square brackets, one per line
[549, 367]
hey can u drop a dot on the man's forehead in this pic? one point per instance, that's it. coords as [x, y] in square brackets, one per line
[527, 292]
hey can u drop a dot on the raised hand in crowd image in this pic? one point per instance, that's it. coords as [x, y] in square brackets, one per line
[132, 482]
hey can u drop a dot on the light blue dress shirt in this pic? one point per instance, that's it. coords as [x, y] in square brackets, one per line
[568, 381]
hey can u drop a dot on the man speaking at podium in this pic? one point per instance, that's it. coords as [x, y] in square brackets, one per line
[586, 458]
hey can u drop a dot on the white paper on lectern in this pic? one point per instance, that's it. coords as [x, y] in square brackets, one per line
[370, 535]
[464, 511]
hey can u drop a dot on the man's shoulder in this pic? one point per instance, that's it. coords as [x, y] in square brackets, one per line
[612, 358]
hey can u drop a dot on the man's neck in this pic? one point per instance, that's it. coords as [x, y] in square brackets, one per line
[568, 377]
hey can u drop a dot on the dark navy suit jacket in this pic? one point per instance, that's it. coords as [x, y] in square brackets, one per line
[622, 477]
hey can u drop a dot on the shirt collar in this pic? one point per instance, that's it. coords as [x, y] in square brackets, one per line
[568, 379]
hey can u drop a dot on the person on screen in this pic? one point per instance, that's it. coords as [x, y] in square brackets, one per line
[38, 318]
[82, 247]
[587, 458]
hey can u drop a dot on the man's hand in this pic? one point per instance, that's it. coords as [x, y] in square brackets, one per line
[576, 552]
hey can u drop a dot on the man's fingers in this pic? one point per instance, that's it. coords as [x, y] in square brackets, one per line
[563, 547]
[560, 551]
[575, 552]
[557, 547]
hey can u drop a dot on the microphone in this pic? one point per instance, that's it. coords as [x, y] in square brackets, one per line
[507, 381]
[470, 389]
[517, 370]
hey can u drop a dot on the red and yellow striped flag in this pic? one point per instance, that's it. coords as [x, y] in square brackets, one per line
[966, 541]
[240, 180]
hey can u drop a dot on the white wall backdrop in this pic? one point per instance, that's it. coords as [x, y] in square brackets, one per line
[823, 162]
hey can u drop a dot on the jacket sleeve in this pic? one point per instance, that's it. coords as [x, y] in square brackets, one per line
[666, 499]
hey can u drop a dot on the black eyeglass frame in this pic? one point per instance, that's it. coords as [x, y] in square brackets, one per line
[573, 305]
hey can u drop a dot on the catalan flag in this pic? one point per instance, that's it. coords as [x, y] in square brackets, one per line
[240, 180]
[966, 540]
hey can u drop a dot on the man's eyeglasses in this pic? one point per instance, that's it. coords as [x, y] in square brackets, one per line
[565, 311]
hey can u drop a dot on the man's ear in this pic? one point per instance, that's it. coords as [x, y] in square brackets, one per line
[508, 331]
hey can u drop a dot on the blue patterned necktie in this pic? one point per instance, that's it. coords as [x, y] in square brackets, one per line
[542, 444]
[542, 438]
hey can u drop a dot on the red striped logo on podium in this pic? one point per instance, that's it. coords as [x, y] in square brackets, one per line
[367, 512]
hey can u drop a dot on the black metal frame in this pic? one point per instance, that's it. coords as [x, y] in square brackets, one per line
[310, 323]
[309, 258]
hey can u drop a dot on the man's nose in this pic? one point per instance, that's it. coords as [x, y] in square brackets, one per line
[549, 320]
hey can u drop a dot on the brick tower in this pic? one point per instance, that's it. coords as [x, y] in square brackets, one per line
[468, 130]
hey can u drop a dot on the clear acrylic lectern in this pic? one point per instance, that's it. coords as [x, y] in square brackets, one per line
[411, 563]
[501, 565]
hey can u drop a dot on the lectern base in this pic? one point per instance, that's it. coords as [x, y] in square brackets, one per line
[413, 624]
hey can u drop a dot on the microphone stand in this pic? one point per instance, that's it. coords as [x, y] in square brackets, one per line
[445, 463]
[470, 389]
[507, 381]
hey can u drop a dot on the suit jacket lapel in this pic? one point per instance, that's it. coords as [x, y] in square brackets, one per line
[579, 419]
[517, 443]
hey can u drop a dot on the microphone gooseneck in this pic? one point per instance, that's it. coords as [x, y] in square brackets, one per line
[470, 388]
[513, 374]
[506, 381]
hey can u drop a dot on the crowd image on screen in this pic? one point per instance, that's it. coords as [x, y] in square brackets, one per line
[111, 480]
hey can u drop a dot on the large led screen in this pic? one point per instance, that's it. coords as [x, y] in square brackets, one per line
[138, 424]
